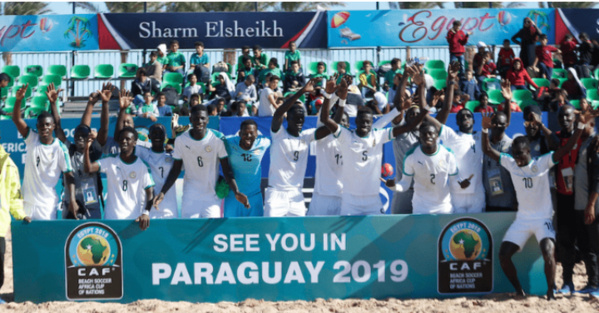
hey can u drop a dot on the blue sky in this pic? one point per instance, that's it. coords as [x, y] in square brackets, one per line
[66, 8]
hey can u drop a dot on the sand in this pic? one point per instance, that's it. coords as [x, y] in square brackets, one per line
[502, 303]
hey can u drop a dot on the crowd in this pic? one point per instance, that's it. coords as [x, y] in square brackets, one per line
[439, 170]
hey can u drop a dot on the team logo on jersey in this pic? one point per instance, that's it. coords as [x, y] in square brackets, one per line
[132, 175]
[441, 163]
[208, 148]
[537, 148]
[169, 160]
[465, 257]
[534, 169]
[94, 263]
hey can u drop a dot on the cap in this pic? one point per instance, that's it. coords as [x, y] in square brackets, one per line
[481, 44]
[162, 47]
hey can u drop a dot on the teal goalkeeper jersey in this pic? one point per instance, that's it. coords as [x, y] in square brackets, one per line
[246, 163]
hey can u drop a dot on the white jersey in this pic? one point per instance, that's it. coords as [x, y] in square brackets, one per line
[531, 183]
[265, 108]
[160, 165]
[467, 149]
[329, 161]
[289, 159]
[431, 175]
[363, 157]
[43, 166]
[201, 159]
[126, 187]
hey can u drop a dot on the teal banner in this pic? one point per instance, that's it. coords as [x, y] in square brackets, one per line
[277, 259]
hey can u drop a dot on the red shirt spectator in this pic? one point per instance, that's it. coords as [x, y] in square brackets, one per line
[488, 69]
[544, 54]
[486, 109]
[518, 76]
[506, 57]
[568, 48]
[457, 41]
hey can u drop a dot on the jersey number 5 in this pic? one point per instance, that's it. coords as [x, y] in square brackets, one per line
[364, 155]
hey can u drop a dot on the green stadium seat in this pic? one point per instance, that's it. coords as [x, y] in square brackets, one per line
[28, 79]
[381, 63]
[13, 71]
[313, 68]
[526, 103]
[557, 63]
[596, 73]
[9, 104]
[291, 93]
[38, 105]
[27, 93]
[561, 81]
[592, 95]
[51, 78]
[595, 104]
[491, 81]
[35, 70]
[80, 71]
[57, 69]
[495, 97]
[438, 74]
[434, 64]
[471, 105]
[440, 84]
[104, 71]
[127, 70]
[575, 103]
[347, 67]
[589, 83]
[359, 66]
[541, 82]
[520, 95]
[172, 78]
[559, 73]
[172, 85]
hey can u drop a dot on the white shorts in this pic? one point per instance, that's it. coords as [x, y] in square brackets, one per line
[361, 205]
[40, 212]
[206, 207]
[468, 202]
[521, 230]
[279, 203]
[324, 205]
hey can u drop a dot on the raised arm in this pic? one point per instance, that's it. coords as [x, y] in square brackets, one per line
[506, 92]
[549, 139]
[325, 116]
[277, 118]
[16, 112]
[230, 178]
[104, 115]
[52, 95]
[88, 166]
[124, 103]
[486, 144]
[452, 77]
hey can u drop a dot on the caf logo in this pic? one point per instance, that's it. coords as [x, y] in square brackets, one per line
[465, 258]
[94, 263]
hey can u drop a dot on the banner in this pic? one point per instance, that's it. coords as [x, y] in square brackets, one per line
[576, 21]
[275, 259]
[273, 30]
[392, 28]
[48, 32]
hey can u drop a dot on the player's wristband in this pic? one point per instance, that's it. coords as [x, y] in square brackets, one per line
[341, 103]
[484, 130]
[581, 126]
[326, 95]
[333, 98]
[146, 212]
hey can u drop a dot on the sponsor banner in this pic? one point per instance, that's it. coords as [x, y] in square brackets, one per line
[48, 32]
[275, 259]
[429, 27]
[217, 30]
[576, 21]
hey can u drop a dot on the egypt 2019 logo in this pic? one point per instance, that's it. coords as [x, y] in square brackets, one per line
[94, 263]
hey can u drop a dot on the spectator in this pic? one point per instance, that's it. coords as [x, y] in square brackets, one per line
[390, 75]
[273, 70]
[162, 58]
[457, 40]
[223, 88]
[487, 69]
[595, 57]
[459, 101]
[573, 86]
[163, 109]
[526, 37]
[505, 58]
[294, 79]
[245, 52]
[586, 55]
[568, 48]
[470, 86]
[484, 106]
[220, 105]
[154, 68]
[292, 55]
[245, 69]
[379, 104]
[148, 109]
[192, 88]
[368, 80]
[341, 71]
[4, 80]
[477, 60]
[259, 59]
[518, 77]
[544, 57]
[176, 59]
[199, 58]
[141, 85]
[246, 90]
[268, 102]
[212, 111]
[238, 108]
[536, 132]
[194, 100]
[561, 99]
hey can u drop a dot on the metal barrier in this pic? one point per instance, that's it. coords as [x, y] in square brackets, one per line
[82, 88]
